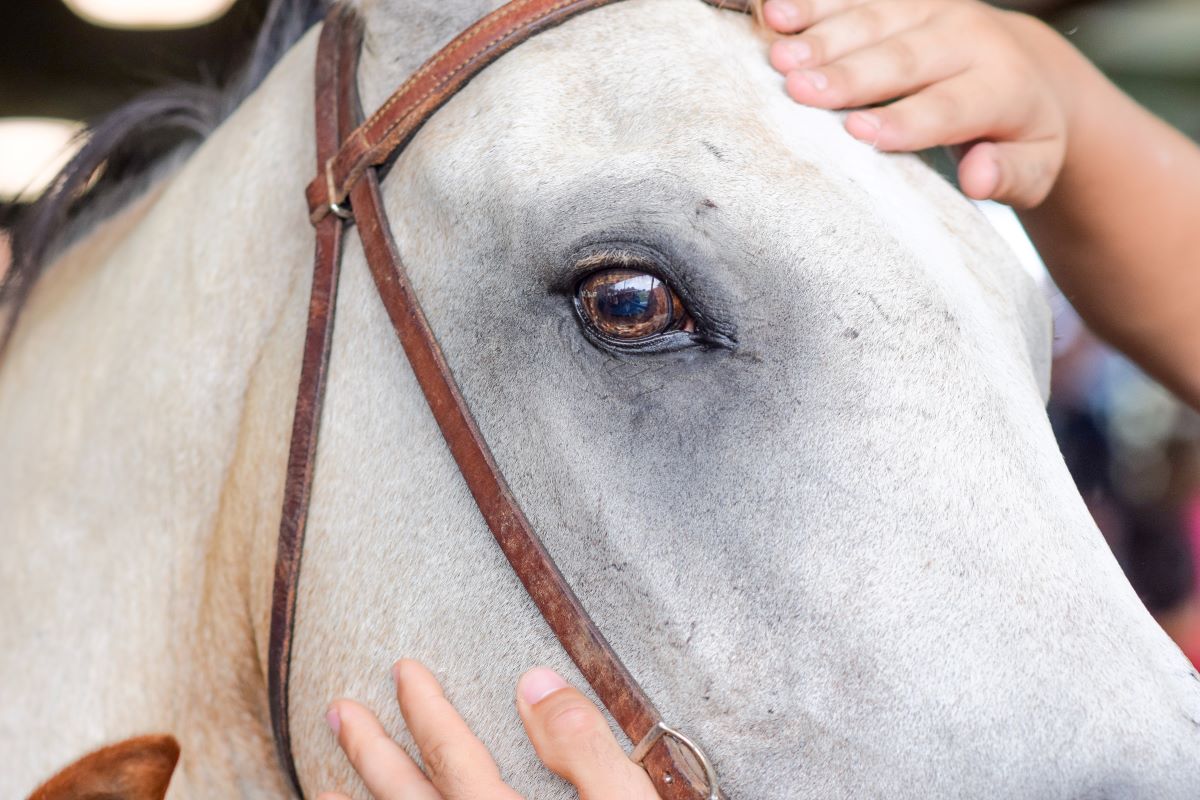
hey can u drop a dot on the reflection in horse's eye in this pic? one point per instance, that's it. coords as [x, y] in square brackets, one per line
[629, 305]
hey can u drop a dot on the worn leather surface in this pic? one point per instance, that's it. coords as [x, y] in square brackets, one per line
[580, 637]
[741, 6]
[347, 160]
[336, 115]
[436, 81]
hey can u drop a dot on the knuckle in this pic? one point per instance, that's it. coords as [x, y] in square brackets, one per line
[438, 757]
[870, 21]
[1005, 59]
[360, 749]
[844, 81]
[575, 721]
[818, 46]
[804, 11]
[902, 56]
[941, 109]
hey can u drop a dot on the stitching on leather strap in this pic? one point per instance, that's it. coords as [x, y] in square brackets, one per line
[445, 53]
[380, 146]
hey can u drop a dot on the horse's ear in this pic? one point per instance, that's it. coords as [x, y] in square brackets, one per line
[135, 769]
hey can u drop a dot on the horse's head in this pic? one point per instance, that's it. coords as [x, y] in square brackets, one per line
[805, 483]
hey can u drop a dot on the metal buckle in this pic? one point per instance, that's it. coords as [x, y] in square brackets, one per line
[337, 210]
[660, 730]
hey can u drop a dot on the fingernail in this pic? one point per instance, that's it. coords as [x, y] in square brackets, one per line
[865, 119]
[815, 79]
[864, 126]
[785, 12]
[990, 176]
[538, 683]
[396, 672]
[333, 719]
[798, 50]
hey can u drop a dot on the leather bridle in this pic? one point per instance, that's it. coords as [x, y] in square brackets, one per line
[346, 189]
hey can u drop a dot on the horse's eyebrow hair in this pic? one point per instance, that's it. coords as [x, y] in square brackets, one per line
[613, 257]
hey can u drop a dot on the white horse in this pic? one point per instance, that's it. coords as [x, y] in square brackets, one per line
[830, 533]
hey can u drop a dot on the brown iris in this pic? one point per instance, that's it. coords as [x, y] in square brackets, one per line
[628, 305]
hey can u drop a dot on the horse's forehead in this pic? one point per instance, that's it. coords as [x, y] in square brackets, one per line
[678, 93]
[690, 87]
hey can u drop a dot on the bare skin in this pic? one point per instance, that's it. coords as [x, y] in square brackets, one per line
[568, 732]
[1108, 192]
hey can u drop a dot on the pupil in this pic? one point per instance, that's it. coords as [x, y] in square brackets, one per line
[631, 298]
[625, 304]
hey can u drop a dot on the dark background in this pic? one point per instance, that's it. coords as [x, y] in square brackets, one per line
[54, 64]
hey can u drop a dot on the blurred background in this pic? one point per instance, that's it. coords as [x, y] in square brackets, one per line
[1133, 449]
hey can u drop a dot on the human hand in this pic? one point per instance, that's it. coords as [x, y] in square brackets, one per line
[963, 72]
[568, 732]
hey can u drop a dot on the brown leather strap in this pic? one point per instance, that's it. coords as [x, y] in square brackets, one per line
[349, 170]
[741, 6]
[579, 636]
[438, 79]
[336, 114]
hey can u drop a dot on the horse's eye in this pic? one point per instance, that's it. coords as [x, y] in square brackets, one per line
[629, 305]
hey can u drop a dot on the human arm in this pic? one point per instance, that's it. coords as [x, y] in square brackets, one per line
[1109, 193]
[1120, 232]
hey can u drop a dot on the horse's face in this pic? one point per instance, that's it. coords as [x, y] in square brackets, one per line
[822, 518]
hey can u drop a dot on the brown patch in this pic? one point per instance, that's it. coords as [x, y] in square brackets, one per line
[135, 769]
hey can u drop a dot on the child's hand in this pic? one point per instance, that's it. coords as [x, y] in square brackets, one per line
[964, 73]
[568, 732]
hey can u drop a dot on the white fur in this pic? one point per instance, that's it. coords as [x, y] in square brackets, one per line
[845, 554]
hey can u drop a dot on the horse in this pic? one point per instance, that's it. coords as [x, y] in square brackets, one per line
[821, 517]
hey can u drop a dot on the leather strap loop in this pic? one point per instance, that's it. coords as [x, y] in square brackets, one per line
[439, 79]
[435, 82]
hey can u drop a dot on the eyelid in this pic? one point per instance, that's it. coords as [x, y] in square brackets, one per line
[613, 258]
[712, 328]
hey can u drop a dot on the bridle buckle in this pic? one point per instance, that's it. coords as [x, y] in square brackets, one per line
[660, 730]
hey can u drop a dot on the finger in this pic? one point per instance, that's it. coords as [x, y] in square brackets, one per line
[1020, 174]
[950, 112]
[332, 796]
[384, 767]
[459, 765]
[792, 16]
[841, 34]
[574, 741]
[900, 65]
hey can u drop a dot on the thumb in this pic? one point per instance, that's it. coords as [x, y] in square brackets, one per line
[574, 741]
[1020, 174]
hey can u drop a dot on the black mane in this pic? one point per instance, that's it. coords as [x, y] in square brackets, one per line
[128, 143]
